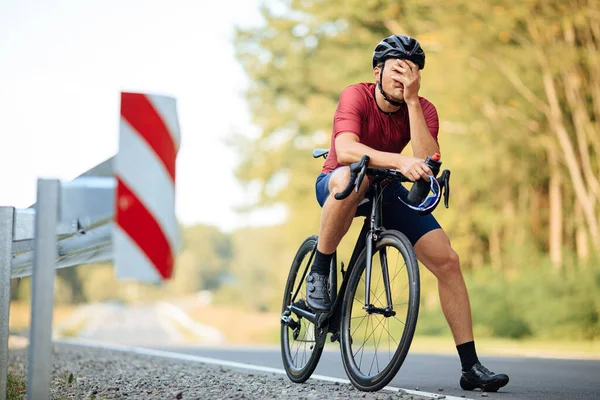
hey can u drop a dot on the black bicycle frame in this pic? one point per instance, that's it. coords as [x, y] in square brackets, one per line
[368, 236]
[373, 235]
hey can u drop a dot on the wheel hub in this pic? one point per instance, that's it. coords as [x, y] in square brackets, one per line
[386, 312]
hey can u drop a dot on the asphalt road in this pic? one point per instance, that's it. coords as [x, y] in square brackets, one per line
[530, 378]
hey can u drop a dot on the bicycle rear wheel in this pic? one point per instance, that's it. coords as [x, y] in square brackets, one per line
[374, 345]
[300, 349]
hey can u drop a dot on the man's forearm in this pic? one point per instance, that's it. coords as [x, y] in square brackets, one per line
[421, 140]
[378, 159]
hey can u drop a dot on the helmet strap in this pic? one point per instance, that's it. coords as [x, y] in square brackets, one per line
[392, 102]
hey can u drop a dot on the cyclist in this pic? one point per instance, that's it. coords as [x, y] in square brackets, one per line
[379, 119]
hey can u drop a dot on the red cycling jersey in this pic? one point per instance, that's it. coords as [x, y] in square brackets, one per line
[358, 113]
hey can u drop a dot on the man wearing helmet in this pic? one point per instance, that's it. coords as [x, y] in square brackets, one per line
[379, 119]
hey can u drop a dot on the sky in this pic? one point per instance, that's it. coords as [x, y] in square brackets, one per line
[63, 65]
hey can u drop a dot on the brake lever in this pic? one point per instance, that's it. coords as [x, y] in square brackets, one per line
[363, 170]
[360, 177]
[357, 171]
[445, 184]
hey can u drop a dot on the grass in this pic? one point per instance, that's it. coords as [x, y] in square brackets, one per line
[239, 326]
[20, 315]
[512, 348]
[73, 331]
[243, 327]
[17, 388]
[500, 347]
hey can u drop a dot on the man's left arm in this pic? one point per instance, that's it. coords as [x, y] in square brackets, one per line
[422, 141]
[423, 144]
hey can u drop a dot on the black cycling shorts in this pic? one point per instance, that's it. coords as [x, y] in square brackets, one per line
[396, 215]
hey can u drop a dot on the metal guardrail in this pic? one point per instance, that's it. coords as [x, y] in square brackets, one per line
[83, 231]
[74, 223]
[71, 224]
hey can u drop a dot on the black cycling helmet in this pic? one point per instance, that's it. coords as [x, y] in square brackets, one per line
[399, 46]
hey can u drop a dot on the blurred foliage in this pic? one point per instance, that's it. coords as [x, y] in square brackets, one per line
[517, 87]
[493, 78]
[538, 301]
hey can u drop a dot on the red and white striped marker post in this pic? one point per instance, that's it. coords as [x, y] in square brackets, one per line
[146, 235]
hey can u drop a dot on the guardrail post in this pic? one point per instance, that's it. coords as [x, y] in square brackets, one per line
[39, 365]
[6, 236]
[76, 223]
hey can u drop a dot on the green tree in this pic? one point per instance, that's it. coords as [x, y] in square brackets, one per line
[515, 85]
[517, 88]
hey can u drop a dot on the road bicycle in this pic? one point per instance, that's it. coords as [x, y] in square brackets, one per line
[369, 296]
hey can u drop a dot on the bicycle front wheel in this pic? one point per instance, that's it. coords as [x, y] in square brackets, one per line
[300, 349]
[374, 342]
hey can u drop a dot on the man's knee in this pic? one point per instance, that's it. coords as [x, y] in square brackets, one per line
[441, 260]
[448, 261]
[339, 181]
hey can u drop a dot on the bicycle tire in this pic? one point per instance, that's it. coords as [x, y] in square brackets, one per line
[362, 381]
[295, 373]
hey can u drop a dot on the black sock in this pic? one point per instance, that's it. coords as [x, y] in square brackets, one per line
[467, 354]
[322, 263]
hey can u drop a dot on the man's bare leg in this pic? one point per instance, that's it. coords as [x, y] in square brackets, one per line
[436, 253]
[337, 215]
[336, 219]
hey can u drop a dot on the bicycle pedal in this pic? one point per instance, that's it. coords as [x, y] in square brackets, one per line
[335, 337]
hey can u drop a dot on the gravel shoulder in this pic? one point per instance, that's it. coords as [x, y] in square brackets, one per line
[91, 373]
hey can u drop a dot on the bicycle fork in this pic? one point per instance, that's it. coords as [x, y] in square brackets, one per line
[372, 236]
[368, 307]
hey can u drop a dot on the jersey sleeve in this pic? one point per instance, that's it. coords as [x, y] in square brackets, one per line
[350, 112]
[431, 118]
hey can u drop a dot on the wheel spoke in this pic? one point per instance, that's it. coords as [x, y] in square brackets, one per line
[379, 342]
[392, 280]
[399, 294]
[372, 331]
[389, 344]
[358, 326]
[304, 352]
[299, 344]
[376, 344]
[390, 333]
[378, 328]
[296, 354]
[366, 340]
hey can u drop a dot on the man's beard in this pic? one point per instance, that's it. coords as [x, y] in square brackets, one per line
[397, 99]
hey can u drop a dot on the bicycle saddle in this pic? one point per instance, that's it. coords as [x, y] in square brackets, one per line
[320, 153]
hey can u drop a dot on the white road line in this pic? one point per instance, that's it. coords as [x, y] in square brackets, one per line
[232, 364]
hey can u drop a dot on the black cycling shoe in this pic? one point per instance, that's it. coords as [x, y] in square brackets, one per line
[481, 377]
[317, 292]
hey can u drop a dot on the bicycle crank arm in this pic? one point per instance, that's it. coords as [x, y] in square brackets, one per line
[303, 313]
